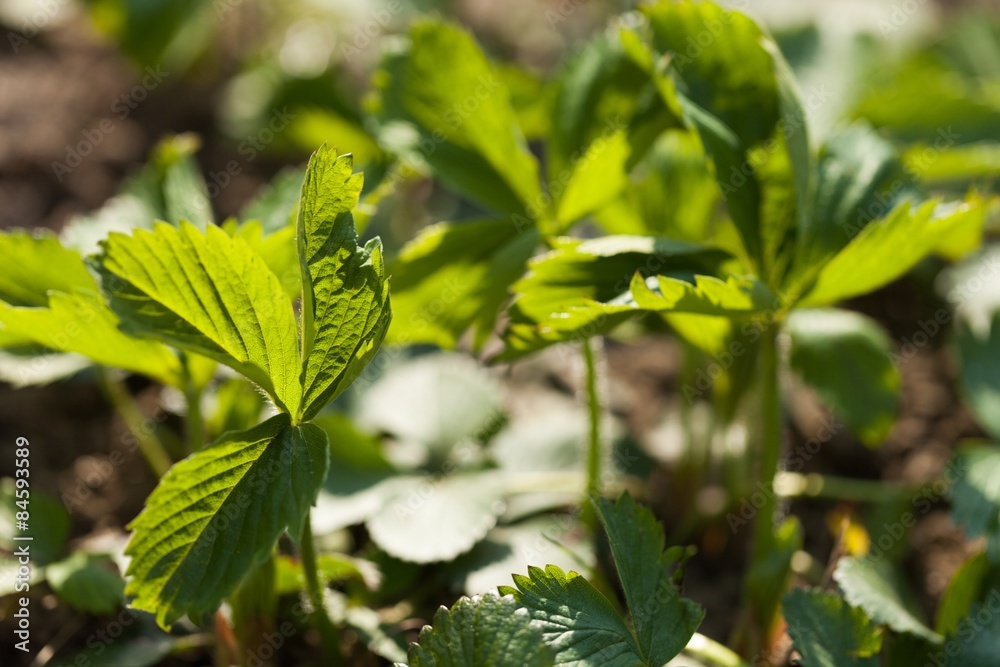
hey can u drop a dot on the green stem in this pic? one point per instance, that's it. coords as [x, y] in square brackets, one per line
[149, 445]
[594, 440]
[770, 442]
[704, 648]
[328, 632]
[813, 485]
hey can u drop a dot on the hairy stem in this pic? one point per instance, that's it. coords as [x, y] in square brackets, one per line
[594, 439]
[149, 445]
[328, 632]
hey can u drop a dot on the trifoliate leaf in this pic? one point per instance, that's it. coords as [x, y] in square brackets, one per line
[487, 631]
[975, 495]
[220, 512]
[87, 583]
[442, 102]
[830, 633]
[210, 294]
[82, 323]
[845, 357]
[664, 621]
[345, 293]
[428, 519]
[874, 587]
[456, 276]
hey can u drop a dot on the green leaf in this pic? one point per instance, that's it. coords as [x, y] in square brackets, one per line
[973, 582]
[487, 631]
[456, 276]
[979, 365]
[82, 323]
[846, 358]
[874, 587]
[131, 650]
[275, 206]
[828, 632]
[290, 578]
[278, 249]
[441, 101]
[87, 583]
[738, 92]
[34, 265]
[425, 520]
[595, 178]
[975, 495]
[49, 521]
[886, 249]
[664, 621]
[221, 511]
[206, 293]
[345, 293]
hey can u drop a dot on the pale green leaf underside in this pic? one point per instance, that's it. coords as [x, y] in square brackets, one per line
[830, 633]
[221, 511]
[82, 323]
[87, 582]
[874, 587]
[345, 293]
[210, 294]
[487, 631]
[886, 249]
[664, 621]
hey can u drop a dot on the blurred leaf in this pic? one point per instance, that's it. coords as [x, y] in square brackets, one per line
[874, 587]
[48, 522]
[846, 358]
[331, 568]
[34, 265]
[132, 650]
[345, 293]
[975, 495]
[531, 97]
[276, 204]
[486, 631]
[218, 311]
[979, 365]
[87, 583]
[596, 178]
[428, 519]
[81, 323]
[456, 276]
[460, 118]
[828, 632]
[221, 511]
[886, 249]
[973, 582]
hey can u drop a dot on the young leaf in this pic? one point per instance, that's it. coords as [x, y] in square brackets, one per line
[886, 249]
[487, 631]
[210, 294]
[345, 293]
[34, 265]
[221, 511]
[87, 582]
[82, 323]
[454, 276]
[461, 119]
[873, 587]
[664, 621]
[845, 357]
[975, 496]
[830, 633]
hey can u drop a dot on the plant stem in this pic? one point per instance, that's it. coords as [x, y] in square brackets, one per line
[797, 485]
[770, 442]
[594, 440]
[328, 632]
[149, 445]
[704, 648]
